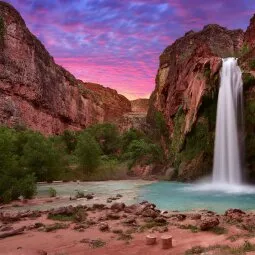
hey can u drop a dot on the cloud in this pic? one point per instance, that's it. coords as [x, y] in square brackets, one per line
[118, 43]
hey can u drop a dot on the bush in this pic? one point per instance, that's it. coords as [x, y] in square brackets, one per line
[107, 136]
[40, 157]
[52, 192]
[70, 139]
[146, 152]
[27, 186]
[88, 153]
[129, 136]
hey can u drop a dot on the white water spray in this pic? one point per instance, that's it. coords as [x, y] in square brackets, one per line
[228, 149]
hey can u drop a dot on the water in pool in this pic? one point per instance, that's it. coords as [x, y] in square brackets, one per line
[166, 195]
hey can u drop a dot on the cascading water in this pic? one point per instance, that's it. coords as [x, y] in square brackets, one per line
[228, 149]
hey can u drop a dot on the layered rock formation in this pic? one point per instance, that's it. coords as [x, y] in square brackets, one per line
[186, 93]
[38, 93]
[140, 105]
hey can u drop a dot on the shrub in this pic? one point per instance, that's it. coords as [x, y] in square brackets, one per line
[88, 153]
[107, 136]
[70, 139]
[129, 136]
[52, 192]
[40, 157]
[27, 186]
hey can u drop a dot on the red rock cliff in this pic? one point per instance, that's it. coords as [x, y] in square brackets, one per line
[186, 93]
[140, 105]
[37, 92]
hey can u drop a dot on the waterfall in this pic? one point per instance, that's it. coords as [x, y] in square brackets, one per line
[228, 148]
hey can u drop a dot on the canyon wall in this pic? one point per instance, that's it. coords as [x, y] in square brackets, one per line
[38, 93]
[186, 95]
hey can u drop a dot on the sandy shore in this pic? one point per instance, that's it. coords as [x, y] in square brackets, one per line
[118, 229]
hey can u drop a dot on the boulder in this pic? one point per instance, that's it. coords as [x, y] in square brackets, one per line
[103, 227]
[208, 223]
[118, 207]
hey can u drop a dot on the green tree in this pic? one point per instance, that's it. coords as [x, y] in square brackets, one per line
[88, 152]
[107, 135]
[129, 136]
[40, 157]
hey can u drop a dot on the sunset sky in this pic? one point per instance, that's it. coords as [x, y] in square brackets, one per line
[117, 43]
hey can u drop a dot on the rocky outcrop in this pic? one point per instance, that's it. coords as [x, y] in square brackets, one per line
[140, 105]
[38, 93]
[186, 93]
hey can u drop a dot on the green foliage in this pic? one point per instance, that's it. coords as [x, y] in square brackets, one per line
[245, 49]
[60, 217]
[218, 230]
[52, 192]
[248, 80]
[129, 136]
[40, 157]
[107, 136]
[70, 139]
[192, 228]
[161, 126]
[55, 226]
[196, 141]
[252, 64]
[178, 136]
[143, 151]
[88, 153]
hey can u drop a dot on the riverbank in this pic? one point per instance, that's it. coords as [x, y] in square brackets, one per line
[121, 229]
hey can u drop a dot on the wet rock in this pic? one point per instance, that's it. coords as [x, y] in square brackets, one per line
[179, 216]
[10, 216]
[231, 211]
[6, 228]
[130, 221]
[112, 216]
[89, 196]
[109, 200]
[160, 220]
[131, 208]
[81, 227]
[208, 223]
[69, 210]
[150, 213]
[103, 227]
[118, 207]
[117, 231]
[119, 196]
[195, 216]
[98, 206]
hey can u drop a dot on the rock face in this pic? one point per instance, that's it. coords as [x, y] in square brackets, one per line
[38, 93]
[186, 93]
[140, 105]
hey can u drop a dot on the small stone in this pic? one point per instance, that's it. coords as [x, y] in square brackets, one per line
[103, 227]
[42, 252]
